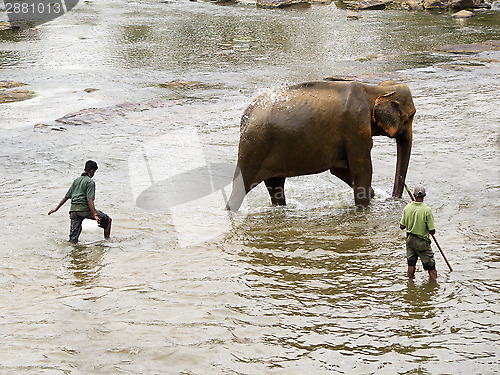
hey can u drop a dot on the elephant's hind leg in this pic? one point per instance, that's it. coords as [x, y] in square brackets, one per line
[276, 188]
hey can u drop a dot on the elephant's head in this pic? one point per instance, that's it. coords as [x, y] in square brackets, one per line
[392, 116]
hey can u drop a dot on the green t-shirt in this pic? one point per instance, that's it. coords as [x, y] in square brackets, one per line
[418, 219]
[81, 189]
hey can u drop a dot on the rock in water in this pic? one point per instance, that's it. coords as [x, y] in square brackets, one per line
[9, 96]
[281, 3]
[89, 116]
[490, 45]
[463, 14]
[368, 5]
[435, 4]
[413, 5]
[10, 84]
[181, 84]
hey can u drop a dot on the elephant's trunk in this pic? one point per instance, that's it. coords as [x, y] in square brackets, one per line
[404, 150]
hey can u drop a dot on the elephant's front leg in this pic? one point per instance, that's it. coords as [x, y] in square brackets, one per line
[363, 191]
[363, 195]
[276, 188]
[360, 168]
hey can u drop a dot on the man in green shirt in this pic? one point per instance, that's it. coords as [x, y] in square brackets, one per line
[418, 221]
[82, 195]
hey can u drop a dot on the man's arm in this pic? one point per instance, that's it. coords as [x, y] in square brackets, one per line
[403, 222]
[430, 223]
[90, 201]
[59, 205]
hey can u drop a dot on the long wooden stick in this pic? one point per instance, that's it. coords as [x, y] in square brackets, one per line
[442, 253]
[433, 237]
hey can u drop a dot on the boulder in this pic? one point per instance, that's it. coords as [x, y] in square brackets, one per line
[413, 5]
[463, 14]
[368, 5]
[435, 4]
[462, 4]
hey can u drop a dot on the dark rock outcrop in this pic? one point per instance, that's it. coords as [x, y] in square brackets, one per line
[462, 4]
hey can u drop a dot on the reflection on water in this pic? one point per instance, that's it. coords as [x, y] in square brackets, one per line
[316, 286]
[420, 299]
[85, 263]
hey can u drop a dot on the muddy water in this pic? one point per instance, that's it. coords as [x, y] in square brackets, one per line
[182, 288]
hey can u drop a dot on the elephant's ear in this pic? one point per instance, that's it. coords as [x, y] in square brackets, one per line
[387, 113]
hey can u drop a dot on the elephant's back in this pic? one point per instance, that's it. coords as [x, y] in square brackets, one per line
[309, 106]
[294, 128]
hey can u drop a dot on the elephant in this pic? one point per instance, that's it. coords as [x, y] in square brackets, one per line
[317, 126]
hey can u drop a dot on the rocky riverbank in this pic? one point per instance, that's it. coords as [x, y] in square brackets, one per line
[382, 4]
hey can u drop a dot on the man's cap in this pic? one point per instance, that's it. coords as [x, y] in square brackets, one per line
[419, 190]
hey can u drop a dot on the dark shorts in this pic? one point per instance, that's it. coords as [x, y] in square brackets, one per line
[417, 247]
[77, 218]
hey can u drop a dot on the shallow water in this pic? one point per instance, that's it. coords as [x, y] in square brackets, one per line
[316, 286]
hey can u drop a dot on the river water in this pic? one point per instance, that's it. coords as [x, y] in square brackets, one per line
[184, 288]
